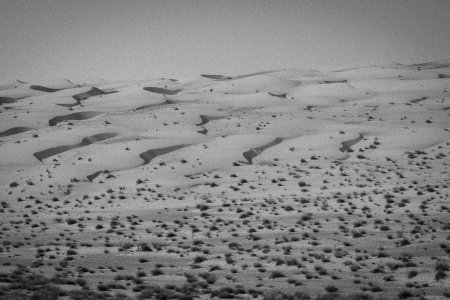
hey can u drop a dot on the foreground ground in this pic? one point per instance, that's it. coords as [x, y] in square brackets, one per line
[322, 182]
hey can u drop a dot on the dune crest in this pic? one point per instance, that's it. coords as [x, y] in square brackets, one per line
[205, 119]
[149, 155]
[41, 155]
[254, 152]
[161, 90]
[14, 130]
[346, 145]
[85, 115]
[43, 89]
[86, 95]
[7, 100]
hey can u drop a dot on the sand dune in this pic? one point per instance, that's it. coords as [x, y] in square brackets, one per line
[149, 155]
[20, 90]
[229, 186]
[431, 65]
[254, 84]
[41, 155]
[254, 152]
[346, 145]
[85, 115]
[90, 93]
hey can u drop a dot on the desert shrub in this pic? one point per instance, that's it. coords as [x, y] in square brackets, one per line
[277, 274]
[330, 296]
[412, 274]
[71, 221]
[157, 272]
[228, 258]
[199, 259]
[223, 293]
[279, 295]
[331, 289]
[405, 294]
[86, 295]
[214, 268]
[145, 247]
[360, 297]
[208, 277]
[321, 270]
[125, 246]
[160, 293]
[71, 252]
[441, 267]
[384, 228]
[47, 293]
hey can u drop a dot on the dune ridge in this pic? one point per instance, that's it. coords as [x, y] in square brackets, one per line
[149, 155]
[94, 175]
[43, 89]
[7, 100]
[161, 90]
[346, 145]
[215, 77]
[41, 155]
[156, 105]
[418, 100]
[85, 115]
[205, 119]
[282, 95]
[10, 84]
[204, 131]
[86, 95]
[14, 130]
[254, 152]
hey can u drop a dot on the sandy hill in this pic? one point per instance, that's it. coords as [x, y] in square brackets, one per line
[223, 185]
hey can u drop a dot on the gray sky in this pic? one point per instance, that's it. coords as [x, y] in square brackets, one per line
[133, 39]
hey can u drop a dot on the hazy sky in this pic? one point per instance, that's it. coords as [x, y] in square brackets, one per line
[125, 39]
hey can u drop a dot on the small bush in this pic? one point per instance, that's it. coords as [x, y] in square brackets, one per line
[331, 289]
[405, 294]
[47, 293]
[277, 274]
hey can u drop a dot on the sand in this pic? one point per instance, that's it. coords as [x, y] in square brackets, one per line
[288, 180]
